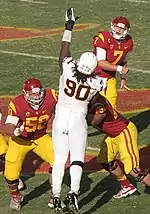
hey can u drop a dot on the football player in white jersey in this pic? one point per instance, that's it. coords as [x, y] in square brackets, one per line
[77, 85]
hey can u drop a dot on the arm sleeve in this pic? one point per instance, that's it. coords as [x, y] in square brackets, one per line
[100, 53]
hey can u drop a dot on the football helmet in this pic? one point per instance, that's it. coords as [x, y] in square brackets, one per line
[87, 63]
[120, 27]
[33, 92]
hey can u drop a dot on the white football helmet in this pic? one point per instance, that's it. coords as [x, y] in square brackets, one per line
[87, 63]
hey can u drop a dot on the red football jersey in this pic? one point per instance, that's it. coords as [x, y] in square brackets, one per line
[115, 51]
[113, 123]
[35, 121]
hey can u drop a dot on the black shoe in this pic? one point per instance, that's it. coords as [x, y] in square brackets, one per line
[57, 205]
[71, 202]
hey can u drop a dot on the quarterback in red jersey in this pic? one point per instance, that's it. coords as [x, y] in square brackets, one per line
[26, 124]
[111, 48]
[121, 138]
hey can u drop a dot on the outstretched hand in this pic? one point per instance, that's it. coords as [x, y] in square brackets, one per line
[124, 86]
[70, 19]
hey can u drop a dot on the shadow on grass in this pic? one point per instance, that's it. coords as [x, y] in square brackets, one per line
[107, 186]
[36, 192]
[141, 120]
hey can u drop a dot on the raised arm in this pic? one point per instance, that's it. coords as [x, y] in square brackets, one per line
[66, 40]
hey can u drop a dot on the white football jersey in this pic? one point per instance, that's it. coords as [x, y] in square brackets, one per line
[74, 95]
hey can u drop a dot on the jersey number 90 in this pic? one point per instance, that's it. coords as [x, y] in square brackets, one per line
[80, 92]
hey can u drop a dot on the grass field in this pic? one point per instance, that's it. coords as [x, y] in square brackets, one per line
[29, 48]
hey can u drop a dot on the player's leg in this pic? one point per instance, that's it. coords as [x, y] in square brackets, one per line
[3, 150]
[111, 91]
[45, 150]
[3, 147]
[129, 155]
[132, 167]
[107, 154]
[14, 159]
[61, 150]
[77, 146]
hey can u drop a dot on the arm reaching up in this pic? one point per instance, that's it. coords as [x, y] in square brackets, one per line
[66, 40]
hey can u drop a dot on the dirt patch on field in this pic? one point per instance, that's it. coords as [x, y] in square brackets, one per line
[133, 100]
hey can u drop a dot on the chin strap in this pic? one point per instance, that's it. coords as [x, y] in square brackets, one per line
[35, 107]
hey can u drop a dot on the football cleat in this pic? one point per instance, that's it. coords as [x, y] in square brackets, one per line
[125, 191]
[51, 203]
[15, 203]
[57, 205]
[71, 202]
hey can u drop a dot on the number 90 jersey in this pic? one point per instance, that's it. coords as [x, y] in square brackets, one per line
[73, 94]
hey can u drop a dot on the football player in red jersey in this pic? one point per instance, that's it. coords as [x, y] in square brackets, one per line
[26, 124]
[111, 48]
[121, 138]
[3, 150]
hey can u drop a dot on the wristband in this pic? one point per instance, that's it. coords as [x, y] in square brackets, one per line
[123, 76]
[119, 69]
[17, 132]
[67, 36]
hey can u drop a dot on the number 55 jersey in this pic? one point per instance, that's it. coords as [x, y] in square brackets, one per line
[73, 94]
[35, 121]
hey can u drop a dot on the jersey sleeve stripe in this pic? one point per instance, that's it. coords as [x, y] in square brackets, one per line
[12, 106]
[101, 37]
[55, 94]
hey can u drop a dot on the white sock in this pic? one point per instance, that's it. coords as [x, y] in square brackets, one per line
[57, 177]
[76, 174]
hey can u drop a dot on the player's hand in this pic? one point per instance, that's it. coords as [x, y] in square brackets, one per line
[70, 19]
[18, 131]
[125, 70]
[124, 85]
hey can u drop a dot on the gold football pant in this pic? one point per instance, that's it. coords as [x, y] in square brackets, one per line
[18, 149]
[125, 144]
[111, 91]
[3, 145]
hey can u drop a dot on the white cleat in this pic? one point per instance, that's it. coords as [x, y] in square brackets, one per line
[125, 191]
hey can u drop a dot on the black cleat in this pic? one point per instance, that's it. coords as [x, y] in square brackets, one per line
[57, 205]
[71, 202]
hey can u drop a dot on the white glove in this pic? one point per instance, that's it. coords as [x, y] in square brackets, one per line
[18, 131]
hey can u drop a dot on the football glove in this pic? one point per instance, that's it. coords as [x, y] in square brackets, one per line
[70, 19]
[18, 131]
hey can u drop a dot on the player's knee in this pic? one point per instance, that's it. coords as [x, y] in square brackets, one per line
[59, 161]
[11, 175]
[77, 163]
[141, 175]
[111, 166]
[12, 182]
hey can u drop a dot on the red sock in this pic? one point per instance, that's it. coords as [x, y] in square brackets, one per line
[125, 182]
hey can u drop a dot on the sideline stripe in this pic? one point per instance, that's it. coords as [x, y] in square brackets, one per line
[35, 2]
[140, 70]
[28, 55]
[138, 1]
[55, 58]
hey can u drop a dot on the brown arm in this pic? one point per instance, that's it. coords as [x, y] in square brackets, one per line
[95, 119]
[7, 129]
[64, 52]
[66, 40]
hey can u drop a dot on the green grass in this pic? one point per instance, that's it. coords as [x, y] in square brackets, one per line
[97, 188]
